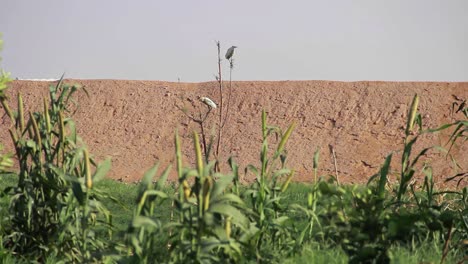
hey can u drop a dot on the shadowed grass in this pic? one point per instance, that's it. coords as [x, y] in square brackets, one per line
[125, 194]
[315, 254]
[426, 252]
[5, 181]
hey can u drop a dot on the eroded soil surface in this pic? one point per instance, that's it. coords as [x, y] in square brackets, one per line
[134, 123]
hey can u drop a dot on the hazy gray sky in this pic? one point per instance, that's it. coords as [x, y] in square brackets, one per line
[401, 40]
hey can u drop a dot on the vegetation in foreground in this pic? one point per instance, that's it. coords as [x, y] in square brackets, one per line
[61, 209]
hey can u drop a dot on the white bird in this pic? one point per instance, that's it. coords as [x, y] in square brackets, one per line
[230, 52]
[208, 102]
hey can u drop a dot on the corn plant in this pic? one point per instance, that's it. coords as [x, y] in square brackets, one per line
[270, 233]
[428, 216]
[208, 218]
[366, 221]
[449, 214]
[54, 209]
[352, 217]
[6, 162]
[146, 228]
[407, 166]
[436, 216]
[310, 210]
[458, 135]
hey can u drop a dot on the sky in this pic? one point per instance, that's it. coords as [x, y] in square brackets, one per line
[342, 40]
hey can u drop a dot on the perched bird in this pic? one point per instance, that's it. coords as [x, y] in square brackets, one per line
[208, 102]
[230, 52]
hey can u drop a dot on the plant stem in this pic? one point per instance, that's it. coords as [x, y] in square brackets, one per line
[220, 82]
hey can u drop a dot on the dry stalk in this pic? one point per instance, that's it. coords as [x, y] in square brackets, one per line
[446, 245]
[332, 151]
[220, 85]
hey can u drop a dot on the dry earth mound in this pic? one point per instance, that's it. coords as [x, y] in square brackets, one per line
[134, 122]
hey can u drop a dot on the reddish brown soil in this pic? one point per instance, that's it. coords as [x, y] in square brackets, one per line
[134, 122]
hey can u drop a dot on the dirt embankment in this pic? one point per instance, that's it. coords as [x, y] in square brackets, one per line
[134, 122]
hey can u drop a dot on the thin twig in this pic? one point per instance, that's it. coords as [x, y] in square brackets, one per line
[202, 128]
[226, 116]
[446, 245]
[463, 260]
[184, 112]
[220, 82]
[200, 121]
[332, 151]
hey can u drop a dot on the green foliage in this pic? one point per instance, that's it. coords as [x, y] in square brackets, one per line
[146, 227]
[54, 209]
[6, 161]
[4, 80]
[317, 253]
[429, 250]
[367, 221]
[207, 218]
[270, 233]
[205, 222]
